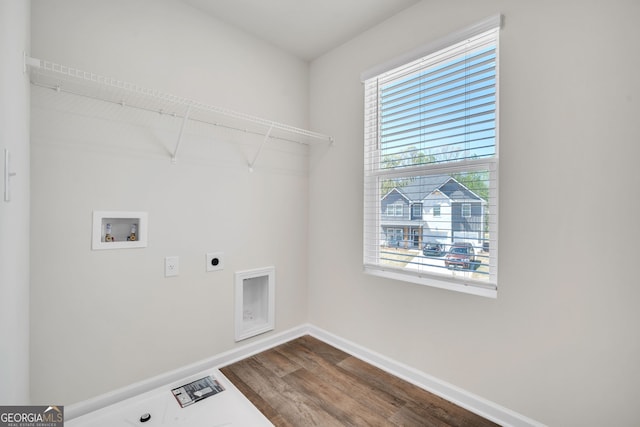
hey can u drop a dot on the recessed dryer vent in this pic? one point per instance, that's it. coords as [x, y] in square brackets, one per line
[255, 302]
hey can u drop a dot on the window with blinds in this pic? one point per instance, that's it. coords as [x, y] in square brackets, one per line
[431, 166]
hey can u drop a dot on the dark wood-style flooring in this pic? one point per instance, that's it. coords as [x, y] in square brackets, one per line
[307, 382]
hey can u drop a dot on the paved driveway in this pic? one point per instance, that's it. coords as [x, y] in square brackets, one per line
[436, 265]
[429, 264]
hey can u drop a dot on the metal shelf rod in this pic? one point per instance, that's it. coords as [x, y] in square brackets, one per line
[159, 111]
[43, 69]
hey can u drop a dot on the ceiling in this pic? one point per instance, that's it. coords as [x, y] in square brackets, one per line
[305, 28]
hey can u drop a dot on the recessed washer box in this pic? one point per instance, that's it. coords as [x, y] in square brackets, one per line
[119, 230]
[254, 302]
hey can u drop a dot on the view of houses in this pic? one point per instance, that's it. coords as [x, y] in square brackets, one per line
[432, 209]
[424, 218]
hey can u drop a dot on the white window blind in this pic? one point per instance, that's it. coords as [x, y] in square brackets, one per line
[431, 139]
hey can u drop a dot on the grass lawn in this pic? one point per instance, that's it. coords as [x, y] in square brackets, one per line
[397, 257]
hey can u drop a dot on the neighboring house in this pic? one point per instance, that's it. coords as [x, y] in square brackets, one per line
[431, 209]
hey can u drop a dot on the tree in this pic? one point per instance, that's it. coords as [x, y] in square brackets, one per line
[411, 157]
[478, 182]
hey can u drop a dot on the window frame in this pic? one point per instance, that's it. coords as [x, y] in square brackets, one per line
[465, 210]
[395, 231]
[392, 209]
[417, 206]
[489, 165]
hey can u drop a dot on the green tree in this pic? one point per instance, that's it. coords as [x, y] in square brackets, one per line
[410, 157]
[478, 182]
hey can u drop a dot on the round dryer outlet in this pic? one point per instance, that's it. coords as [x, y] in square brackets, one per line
[215, 261]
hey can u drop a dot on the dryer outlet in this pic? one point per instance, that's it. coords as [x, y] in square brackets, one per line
[215, 261]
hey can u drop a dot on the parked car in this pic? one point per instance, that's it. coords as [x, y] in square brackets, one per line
[433, 249]
[461, 255]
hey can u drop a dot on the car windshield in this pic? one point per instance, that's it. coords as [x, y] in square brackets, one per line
[459, 250]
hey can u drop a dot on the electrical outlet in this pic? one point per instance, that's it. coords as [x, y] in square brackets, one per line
[215, 261]
[171, 266]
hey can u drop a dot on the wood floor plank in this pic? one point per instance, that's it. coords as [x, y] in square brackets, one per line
[347, 384]
[299, 354]
[321, 360]
[415, 396]
[257, 400]
[277, 363]
[349, 411]
[320, 348]
[306, 382]
[287, 402]
[451, 417]
[405, 417]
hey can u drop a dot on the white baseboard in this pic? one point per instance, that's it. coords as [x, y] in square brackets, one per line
[463, 398]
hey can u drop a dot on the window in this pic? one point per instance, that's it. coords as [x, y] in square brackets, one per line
[466, 210]
[394, 236]
[395, 209]
[431, 134]
[416, 211]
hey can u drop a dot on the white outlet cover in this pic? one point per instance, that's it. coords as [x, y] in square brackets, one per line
[171, 266]
[215, 261]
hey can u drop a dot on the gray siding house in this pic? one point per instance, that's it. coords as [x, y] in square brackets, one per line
[431, 209]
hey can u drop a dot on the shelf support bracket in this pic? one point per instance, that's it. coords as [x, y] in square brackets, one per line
[266, 138]
[182, 126]
[29, 62]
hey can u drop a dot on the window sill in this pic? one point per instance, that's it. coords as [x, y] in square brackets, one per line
[472, 288]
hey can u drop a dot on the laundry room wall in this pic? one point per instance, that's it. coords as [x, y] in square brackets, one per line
[103, 319]
[559, 342]
[14, 207]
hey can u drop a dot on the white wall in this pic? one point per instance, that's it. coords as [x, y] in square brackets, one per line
[559, 344]
[105, 319]
[14, 215]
